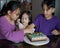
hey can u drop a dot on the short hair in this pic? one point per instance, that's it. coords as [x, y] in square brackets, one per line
[29, 16]
[49, 3]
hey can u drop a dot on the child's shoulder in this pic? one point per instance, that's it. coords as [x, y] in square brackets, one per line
[40, 15]
[2, 19]
[56, 17]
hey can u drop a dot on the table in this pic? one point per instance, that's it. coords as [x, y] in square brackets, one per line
[38, 43]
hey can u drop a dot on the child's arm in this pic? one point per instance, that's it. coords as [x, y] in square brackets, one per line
[9, 34]
[35, 23]
[20, 25]
[31, 26]
[14, 36]
[57, 28]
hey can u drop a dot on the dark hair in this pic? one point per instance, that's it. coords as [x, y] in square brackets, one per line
[2, 12]
[29, 16]
[49, 3]
[12, 5]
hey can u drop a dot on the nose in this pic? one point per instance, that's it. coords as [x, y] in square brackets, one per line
[18, 16]
[45, 12]
[23, 20]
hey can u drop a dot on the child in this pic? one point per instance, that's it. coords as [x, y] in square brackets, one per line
[47, 23]
[25, 19]
[7, 23]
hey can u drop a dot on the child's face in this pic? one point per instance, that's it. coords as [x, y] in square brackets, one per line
[15, 14]
[48, 12]
[25, 19]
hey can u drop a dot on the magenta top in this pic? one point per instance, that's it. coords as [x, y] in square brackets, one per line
[7, 31]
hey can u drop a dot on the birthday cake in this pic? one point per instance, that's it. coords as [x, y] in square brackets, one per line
[37, 37]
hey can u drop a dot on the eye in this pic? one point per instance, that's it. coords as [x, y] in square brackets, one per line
[45, 9]
[17, 14]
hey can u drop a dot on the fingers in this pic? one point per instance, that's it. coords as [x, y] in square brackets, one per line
[29, 31]
[55, 32]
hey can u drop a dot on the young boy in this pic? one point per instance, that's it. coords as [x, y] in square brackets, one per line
[47, 23]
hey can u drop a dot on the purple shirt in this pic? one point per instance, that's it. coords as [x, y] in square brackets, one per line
[46, 26]
[7, 31]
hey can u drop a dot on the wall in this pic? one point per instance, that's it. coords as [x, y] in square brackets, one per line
[36, 8]
[57, 12]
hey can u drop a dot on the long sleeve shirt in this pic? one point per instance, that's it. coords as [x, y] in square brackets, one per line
[46, 26]
[7, 31]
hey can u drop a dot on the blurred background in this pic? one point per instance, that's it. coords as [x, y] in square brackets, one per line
[34, 6]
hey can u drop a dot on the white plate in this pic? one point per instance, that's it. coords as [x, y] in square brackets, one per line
[38, 43]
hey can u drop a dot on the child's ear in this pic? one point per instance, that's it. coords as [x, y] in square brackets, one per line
[9, 12]
[53, 10]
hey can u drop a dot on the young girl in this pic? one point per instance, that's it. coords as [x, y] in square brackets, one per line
[25, 19]
[7, 23]
[47, 23]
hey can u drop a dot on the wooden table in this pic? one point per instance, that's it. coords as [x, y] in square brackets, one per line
[24, 45]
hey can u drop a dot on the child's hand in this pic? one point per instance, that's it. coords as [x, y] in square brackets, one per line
[28, 31]
[18, 20]
[55, 32]
[33, 30]
[20, 25]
